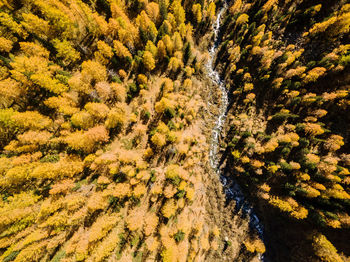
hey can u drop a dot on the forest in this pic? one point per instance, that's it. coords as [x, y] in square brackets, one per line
[106, 117]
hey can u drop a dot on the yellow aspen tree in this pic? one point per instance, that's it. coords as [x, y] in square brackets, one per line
[5, 45]
[8, 22]
[65, 51]
[92, 70]
[242, 19]
[120, 50]
[36, 25]
[152, 10]
[168, 44]
[178, 11]
[161, 50]
[178, 44]
[151, 48]
[211, 11]
[197, 12]
[148, 61]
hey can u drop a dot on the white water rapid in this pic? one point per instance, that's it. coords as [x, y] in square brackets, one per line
[231, 187]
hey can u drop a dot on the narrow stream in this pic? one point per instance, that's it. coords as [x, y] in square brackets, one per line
[232, 190]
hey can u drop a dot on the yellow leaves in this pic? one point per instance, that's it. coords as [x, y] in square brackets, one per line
[64, 168]
[92, 70]
[89, 140]
[152, 10]
[35, 236]
[281, 204]
[121, 190]
[236, 154]
[142, 79]
[249, 98]
[30, 120]
[334, 142]
[5, 45]
[197, 11]
[104, 49]
[312, 158]
[62, 187]
[169, 208]
[159, 140]
[211, 10]
[314, 74]
[148, 61]
[120, 50]
[152, 243]
[337, 191]
[190, 193]
[117, 117]
[98, 110]
[97, 202]
[102, 226]
[256, 245]
[310, 191]
[178, 11]
[146, 24]
[268, 5]
[313, 129]
[8, 22]
[48, 83]
[36, 25]
[168, 44]
[248, 87]
[151, 223]
[106, 246]
[174, 64]
[169, 254]
[32, 252]
[324, 249]
[256, 163]
[242, 19]
[300, 213]
[82, 120]
[135, 219]
[161, 50]
[236, 6]
[139, 190]
[17, 207]
[271, 145]
[66, 51]
[290, 206]
[173, 171]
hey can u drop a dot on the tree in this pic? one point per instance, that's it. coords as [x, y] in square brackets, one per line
[152, 10]
[5, 45]
[211, 11]
[35, 25]
[178, 44]
[197, 12]
[117, 117]
[148, 61]
[161, 50]
[120, 50]
[324, 249]
[151, 48]
[93, 71]
[242, 19]
[178, 11]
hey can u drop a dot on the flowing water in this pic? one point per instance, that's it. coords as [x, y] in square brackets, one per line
[231, 187]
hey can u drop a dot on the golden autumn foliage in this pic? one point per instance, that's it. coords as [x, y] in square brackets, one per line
[105, 116]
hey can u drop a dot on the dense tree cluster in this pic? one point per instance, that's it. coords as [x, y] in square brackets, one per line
[286, 65]
[99, 149]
